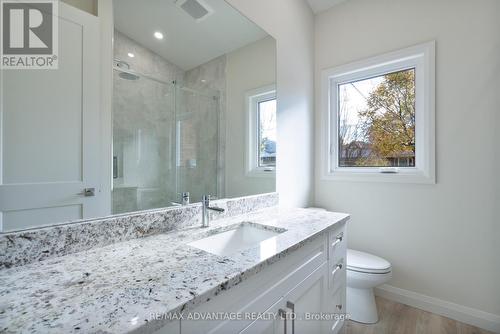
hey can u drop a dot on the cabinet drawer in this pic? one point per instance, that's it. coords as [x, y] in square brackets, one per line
[337, 307]
[337, 275]
[337, 243]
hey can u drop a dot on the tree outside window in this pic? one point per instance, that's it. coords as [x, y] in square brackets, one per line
[377, 121]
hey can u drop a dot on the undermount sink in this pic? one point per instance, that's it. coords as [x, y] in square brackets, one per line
[244, 236]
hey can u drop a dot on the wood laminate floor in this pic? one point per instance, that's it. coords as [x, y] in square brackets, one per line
[395, 318]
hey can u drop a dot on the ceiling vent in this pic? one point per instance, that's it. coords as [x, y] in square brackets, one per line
[197, 9]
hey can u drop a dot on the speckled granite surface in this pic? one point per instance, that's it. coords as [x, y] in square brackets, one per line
[116, 288]
[19, 248]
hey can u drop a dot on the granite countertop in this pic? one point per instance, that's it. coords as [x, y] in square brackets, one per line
[117, 288]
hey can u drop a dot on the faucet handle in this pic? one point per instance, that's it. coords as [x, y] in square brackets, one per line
[206, 203]
[214, 208]
[185, 198]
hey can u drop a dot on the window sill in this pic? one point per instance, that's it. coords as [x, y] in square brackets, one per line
[403, 176]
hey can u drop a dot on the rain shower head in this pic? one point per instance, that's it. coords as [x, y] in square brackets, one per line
[128, 76]
[124, 69]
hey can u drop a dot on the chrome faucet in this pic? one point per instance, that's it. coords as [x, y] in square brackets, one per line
[205, 208]
[184, 201]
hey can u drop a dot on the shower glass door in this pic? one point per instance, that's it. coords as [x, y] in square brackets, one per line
[197, 154]
[144, 170]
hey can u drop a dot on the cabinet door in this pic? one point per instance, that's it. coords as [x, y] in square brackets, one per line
[258, 294]
[273, 325]
[307, 301]
[264, 327]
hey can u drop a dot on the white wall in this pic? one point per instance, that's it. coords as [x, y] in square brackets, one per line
[250, 67]
[443, 240]
[291, 22]
[90, 6]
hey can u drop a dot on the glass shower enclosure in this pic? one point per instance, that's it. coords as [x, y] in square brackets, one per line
[165, 141]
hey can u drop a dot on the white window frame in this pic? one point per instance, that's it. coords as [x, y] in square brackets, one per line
[252, 100]
[420, 57]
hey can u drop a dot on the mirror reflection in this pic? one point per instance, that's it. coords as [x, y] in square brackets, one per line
[193, 113]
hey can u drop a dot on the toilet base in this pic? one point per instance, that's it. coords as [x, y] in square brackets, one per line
[361, 305]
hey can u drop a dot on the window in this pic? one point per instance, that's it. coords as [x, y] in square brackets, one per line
[376, 121]
[266, 111]
[261, 131]
[379, 118]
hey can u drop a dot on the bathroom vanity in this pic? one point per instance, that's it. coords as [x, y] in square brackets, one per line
[247, 273]
[309, 282]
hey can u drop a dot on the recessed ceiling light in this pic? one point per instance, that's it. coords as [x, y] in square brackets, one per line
[203, 80]
[131, 55]
[158, 35]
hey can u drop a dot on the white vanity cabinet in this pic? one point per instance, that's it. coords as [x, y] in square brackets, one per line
[308, 297]
[309, 282]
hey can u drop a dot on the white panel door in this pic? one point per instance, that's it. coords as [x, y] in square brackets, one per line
[49, 132]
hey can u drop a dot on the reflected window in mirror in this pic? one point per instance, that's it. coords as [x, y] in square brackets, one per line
[261, 131]
[267, 133]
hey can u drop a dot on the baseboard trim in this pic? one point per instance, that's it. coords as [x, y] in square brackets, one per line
[474, 317]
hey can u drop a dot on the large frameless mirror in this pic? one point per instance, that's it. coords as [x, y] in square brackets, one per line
[193, 113]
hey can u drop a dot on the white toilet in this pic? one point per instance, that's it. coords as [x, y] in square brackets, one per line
[364, 272]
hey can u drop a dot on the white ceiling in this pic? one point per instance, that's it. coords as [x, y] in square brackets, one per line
[187, 43]
[322, 5]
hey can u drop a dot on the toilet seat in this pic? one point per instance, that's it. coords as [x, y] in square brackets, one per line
[367, 263]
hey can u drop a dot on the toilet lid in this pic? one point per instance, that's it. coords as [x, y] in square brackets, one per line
[368, 263]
